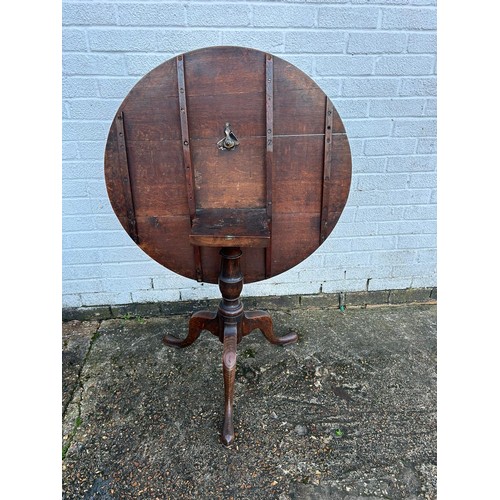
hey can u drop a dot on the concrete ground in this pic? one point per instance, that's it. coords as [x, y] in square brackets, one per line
[349, 412]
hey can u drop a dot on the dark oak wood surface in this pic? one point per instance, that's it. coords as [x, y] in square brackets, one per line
[166, 176]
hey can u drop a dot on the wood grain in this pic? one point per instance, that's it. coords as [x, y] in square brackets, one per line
[285, 166]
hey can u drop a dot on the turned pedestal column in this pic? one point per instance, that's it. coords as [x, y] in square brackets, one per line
[230, 323]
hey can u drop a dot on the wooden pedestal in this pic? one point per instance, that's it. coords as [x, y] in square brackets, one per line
[230, 323]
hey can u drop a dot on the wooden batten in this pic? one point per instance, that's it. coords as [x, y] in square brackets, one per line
[269, 153]
[125, 177]
[327, 165]
[186, 152]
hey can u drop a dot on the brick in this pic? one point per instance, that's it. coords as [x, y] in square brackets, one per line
[413, 270]
[134, 310]
[431, 107]
[320, 300]
[393, 146]
[347, 261]
[74, 188]
[78, 256]
[321, 1]
[185, 307]
[96, 188]
[422, 43]
[304, 63]
[140, 64]
[368, 128]
[357, 146]
[272, 303]
[365, 164]
[84, 313]
[379, 213]
[271, 289]
[65, 111]
[344, 65]
[70, 301]
[425, 212]
[93, 64]
[122, 255]
[352, 108]
[321, 274]
[94, 109]
[76, 86]
[409, 295]
[151, 14]
[77, 223]
[334, 244]
[155, 295]
[393, 257]
[174, 41]
[426, 255]
[381, 182]
[418, 86]
[82, 271]
[75, 206]
[344, 286]
[69, 150]
[409, 19]
[368, 271]
[105, 298]
[396, 107]
[373, 243]
[88, 14]
[82, 286]
[411, 163]
[427, 146]
[123, 39]
[345, 17]
[81, 131]
[95, 239]
[74, 39]
[365, 298]
[407, 227]
[171, 280]
[355, 229]
[415, 128]
[405, 65]
[417, 240]
[422, 180]
[218, 14]
[348, 215]
[91, 150]
[317, 41]
[272, 41]
[115, 87]
[370, 87]
[384, 2]
[376, 43]
[106, 222]
[395, 197]
[330, 86]
[145, 268]
[287, 16]
[201, 291]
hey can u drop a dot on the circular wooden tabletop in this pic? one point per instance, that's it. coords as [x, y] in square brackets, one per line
[227, 130]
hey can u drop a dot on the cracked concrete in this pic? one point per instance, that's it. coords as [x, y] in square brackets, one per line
[349, 412]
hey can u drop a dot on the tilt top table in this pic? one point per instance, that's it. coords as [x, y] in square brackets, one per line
[223, 149]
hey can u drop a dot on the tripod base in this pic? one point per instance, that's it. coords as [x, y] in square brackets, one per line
[230, 323]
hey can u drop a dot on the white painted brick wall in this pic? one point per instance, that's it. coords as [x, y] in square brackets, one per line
[375, 59]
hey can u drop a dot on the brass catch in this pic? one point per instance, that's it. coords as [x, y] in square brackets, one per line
[229, 140]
